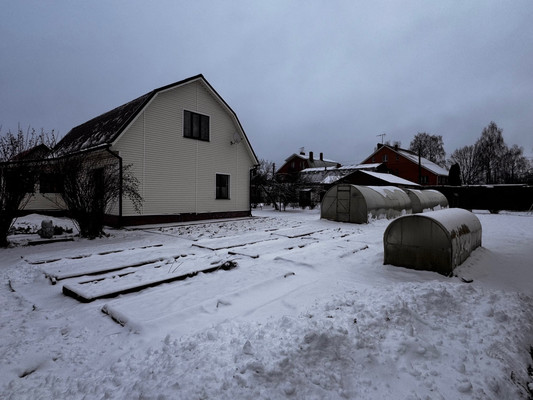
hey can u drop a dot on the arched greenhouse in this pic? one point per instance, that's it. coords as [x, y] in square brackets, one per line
[426, 200]
[358, 204]
[436, 241]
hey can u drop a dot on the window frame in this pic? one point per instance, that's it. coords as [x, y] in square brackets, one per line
[219, 190]
[201, 130]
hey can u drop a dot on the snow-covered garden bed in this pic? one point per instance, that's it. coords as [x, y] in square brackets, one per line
[310, 311]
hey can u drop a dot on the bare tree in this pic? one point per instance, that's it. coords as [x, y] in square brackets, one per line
[490, 160]
[92, 183]
[264, 181]
[20, 163]
[281, 191]
[469, 164]
[514, 165]
[491, 148]
[430, 147]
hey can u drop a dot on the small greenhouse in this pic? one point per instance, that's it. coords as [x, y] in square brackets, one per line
[435, 241]
[426, 200]
[358, 204]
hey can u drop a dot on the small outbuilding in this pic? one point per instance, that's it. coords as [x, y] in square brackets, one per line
[435, 241]
[358, 204]
[426, 200]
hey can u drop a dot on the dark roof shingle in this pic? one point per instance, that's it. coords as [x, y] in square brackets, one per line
[103, 129]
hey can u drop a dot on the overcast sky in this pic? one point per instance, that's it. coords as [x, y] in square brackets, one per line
[325, 75]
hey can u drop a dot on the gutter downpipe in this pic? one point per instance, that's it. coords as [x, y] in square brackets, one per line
[120, 180]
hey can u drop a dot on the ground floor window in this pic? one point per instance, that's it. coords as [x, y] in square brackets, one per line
[222, 190]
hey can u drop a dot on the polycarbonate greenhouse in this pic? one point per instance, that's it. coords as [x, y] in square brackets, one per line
[358, 204]
[426, 200]
[436, 241]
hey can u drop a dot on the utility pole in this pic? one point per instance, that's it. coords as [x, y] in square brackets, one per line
[382, 135]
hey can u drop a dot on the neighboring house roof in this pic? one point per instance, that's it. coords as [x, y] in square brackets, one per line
[429, 165]
[108, 127]
[324, 175]
[316, 163]
[332, 173]
[390, 178]
[411, 156]
[369, 166]
[35, 153]
[328, 176]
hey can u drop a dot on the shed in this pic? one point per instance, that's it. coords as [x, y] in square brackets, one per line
[426, 200]
[353, 203]
[435, 241]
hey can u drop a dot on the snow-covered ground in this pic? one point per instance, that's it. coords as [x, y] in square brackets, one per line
[310, 312]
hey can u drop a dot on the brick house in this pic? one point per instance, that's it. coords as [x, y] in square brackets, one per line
[407, 165]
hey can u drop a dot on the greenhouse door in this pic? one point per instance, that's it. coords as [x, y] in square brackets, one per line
[343, 203]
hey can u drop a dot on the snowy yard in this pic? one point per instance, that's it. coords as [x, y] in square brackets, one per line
[309, 312]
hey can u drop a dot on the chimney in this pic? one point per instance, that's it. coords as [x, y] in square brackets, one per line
[311, 157]
[396, 147]
[380, 145]
[321, 156]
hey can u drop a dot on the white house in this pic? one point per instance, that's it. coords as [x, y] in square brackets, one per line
[185, 146]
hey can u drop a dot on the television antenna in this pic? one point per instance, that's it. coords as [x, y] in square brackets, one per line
[382, 135]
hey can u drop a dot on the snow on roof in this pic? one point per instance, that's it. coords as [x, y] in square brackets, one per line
[317, 162]
[102, 129]
[362, 166]
[429, 165]
[390, 178]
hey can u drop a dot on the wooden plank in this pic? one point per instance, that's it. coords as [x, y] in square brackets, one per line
[234, 241]
[99, 264]
[297, 232]
[77, 291]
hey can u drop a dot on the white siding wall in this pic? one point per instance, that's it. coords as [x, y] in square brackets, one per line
[177, 174]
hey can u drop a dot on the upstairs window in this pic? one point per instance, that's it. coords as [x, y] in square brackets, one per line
[195, 126]
[385, 157]
[222, 190]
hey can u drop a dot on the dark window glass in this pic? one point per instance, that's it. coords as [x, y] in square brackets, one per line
[195, 126]
[222, 186]
[50, 183]
[19, 181]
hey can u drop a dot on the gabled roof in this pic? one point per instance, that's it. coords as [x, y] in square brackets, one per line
[316, 163]
[103, 129]
[35, 153]
[425, 163]
[331, 175]
[107, 128]
[429, 165]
